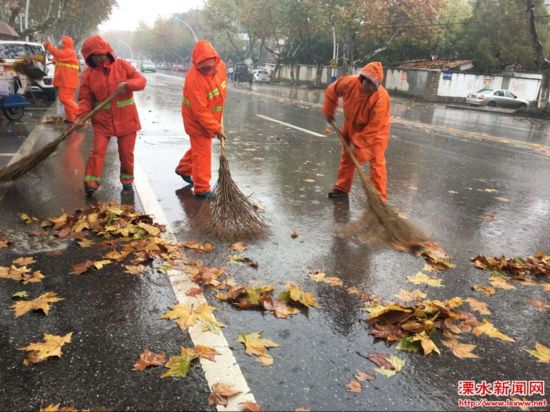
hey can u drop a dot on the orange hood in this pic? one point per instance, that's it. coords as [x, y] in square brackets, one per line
[68, 42]
[204, 50]
[96, 45]
[374, 72]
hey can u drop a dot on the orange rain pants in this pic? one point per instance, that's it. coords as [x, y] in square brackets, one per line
[197, 162]
[94, 168]
[377, 165]
[66, 96]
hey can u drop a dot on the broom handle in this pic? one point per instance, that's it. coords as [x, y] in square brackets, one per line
[362, 174]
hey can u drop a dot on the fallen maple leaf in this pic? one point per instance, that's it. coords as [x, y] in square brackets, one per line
[279, 309]
[489, 218]
[84, 243]
[406, 296]
[428, 345]
[541, 352]
[486, 290]
[500, 282]
[27, 219]
[100, 264]
[363, 376]
[321, 277]
[487, 328]
[178, 366]
[188, 316]
[461, 350]
[239, 247]
[42, 303]
[199, 247]
[539, 304]
[296, 295]
[251, 407]
[206, 352]
[294, 234]
[23, 261]
[193, 292]
[22, 294]
[240, 259]
[388, 366]
[478, 306]
[353, 386]
[148, 358]
[353, 291]
[40, 351]
[255, 345]
[80, 268]
[423, 279]
[56, 407]
[221, 393]
[152, 230]
[135, 270]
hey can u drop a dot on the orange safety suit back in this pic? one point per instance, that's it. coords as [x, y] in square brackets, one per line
[367, 125]
[67, 68]
[204, 95]
[120, 117]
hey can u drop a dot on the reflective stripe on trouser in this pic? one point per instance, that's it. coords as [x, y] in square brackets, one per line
[94, 168]
[197, 162]
[377, 165]
[66, 96]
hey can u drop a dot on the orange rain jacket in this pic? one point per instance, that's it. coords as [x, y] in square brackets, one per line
[367, 124]
[204, 95]
[66, 64]
[120, 117]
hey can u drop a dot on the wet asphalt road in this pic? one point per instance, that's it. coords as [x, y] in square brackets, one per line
[426, 160]
[433, 153]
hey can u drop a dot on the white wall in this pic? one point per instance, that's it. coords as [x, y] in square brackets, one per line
[397, 79]
[527, 89]
[460, 85]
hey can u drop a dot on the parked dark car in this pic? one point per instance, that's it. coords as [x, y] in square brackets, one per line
[242, 74]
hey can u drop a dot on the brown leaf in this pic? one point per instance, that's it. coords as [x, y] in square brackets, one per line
[84, 243]
[294, 234]
[489, 218]
[380, 360]
[80, 268]
[461, 350]
[390, 332]
[486, 290]
[363, 376]
[539, 304]
[279, 309]
[206, 352]
[353, 386]
[51, 346]
[148, 358]
[194, 292]
[135, 270]
[221, 393]
[251, 407]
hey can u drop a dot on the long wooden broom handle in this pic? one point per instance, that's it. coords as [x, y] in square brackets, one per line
[362, 174]
[96, 110]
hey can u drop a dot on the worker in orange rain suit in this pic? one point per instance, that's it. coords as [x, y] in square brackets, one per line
[104, 75]
[66, 75]
[366, 126]
[204, 94]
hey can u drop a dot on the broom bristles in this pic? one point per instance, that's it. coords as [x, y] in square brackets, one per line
[229, 214]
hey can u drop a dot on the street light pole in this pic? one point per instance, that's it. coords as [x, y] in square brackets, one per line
[129, 48]
[188, 26]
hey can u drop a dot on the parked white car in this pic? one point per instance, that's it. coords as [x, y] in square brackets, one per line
[496, 98]
[261, 75]
[11, 50]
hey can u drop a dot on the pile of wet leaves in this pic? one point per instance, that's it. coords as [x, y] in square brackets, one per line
[516, 267]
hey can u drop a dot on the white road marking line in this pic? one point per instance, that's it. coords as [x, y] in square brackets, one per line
[225, 369]
[291, 125]
[7, 154]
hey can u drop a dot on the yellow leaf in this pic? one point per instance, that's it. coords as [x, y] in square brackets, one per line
[423, 279]
[23, 261]
[541, 352]
[40, 303]
[51, 346]
[428, 345]
[255, 345]
[27, 219]
[182, 313]
[200, 247]
[239, 247]
[407, 296]
[487, 328]
[204, 313]
[295, 294]
[500, 282]
[502, 199]
[135, 270]
[478, 306]
[378, 310]
[59, 222]
[321, 277]
[152, 230]
[461, 350]
[178, 366]
[81, 225]
[206, 352]
[486, 290]
[100, 264]
[85, 243]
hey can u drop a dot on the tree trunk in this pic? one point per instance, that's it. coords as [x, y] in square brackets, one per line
[318, 75]
[292, 73]
[544, 93]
